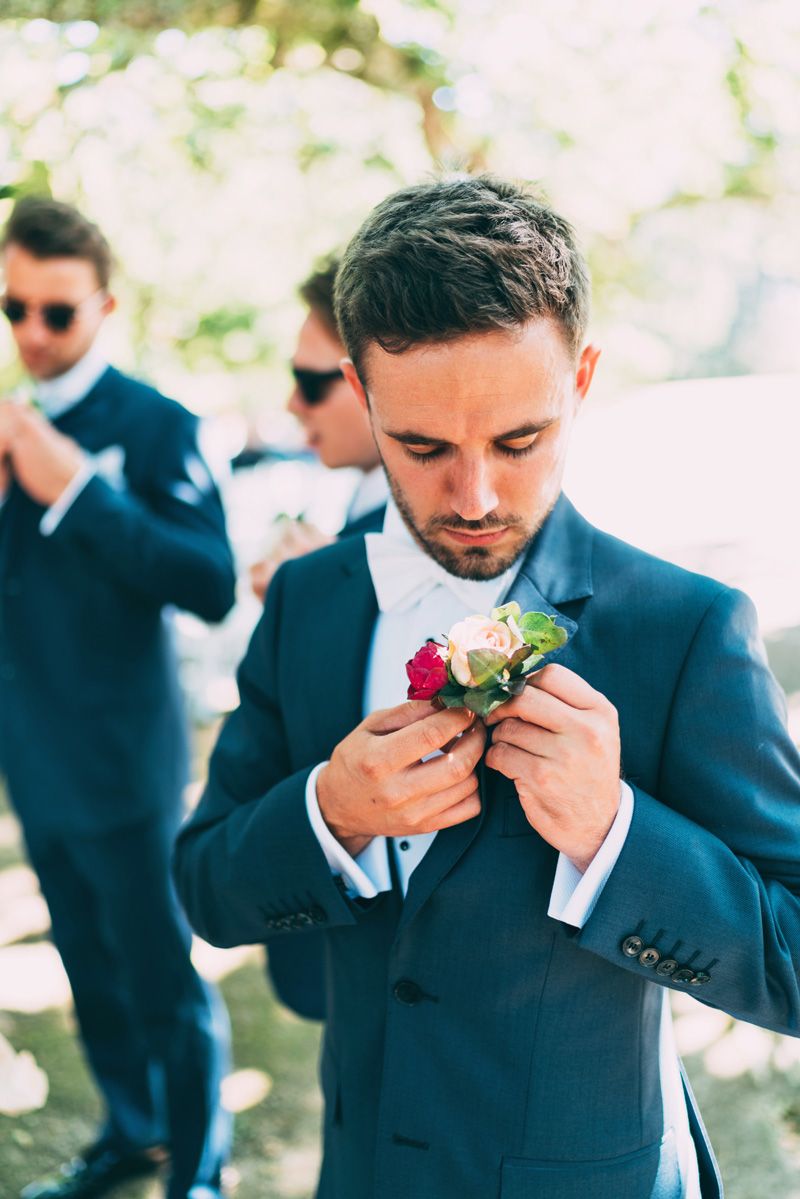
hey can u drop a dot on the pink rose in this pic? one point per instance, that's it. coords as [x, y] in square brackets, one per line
[476, 633]
[427, 671]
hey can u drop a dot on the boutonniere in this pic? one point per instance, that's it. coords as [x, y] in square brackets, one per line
[486, 660]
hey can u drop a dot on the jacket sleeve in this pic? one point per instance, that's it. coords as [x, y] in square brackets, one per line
[705, 895]
[169, 544]
[247, 865]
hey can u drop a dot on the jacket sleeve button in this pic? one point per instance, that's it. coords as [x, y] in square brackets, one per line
[700, 979]
[666, 967]
[632, 946]
[683, 975]
[648, 957]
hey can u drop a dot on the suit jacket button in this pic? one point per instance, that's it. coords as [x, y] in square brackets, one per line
[406, 991]
[666, 967]
[684, 975]
[700, 979]
[632, 946]
[648, 957]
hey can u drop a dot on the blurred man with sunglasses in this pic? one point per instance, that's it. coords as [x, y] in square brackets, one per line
[338, 431]
[334, 423]
[108, 515]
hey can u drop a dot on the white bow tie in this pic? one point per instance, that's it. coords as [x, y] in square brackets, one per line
[402, 574]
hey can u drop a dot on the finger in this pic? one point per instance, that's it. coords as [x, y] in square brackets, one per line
[466, 809]
[529, 737]
[536, 707]
[389, 720]
[422, 737]
[508, 760]
[449, 768]
[566, 685]
[425, 815]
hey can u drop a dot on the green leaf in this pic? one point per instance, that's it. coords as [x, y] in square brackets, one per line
[484, 702]
[451, 699]
[486, 666]
[541, 632]
[506, 610]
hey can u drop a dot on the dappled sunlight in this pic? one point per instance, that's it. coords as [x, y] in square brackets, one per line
[23, 911]
[215, 964]
[743, 1048]
[23, 1084]
[32, 978]
[296, 1171]
[698, 1028]
[245, 1089]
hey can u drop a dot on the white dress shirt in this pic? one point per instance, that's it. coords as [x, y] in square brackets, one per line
[410, 613]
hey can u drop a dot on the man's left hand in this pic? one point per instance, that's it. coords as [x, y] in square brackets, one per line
[44, 461]
[559, 743]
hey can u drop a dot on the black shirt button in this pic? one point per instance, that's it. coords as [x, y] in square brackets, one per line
[405, 844]
[666, 967]
[408, 992]
[684, 975]
[632, 946]
[648, 957]
[700, 979]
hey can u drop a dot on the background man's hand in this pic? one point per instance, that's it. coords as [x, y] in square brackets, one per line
[377, 785]
[559, 742]
[44, 461]
[297, 538]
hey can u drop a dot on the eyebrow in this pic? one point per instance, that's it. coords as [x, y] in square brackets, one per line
[409, 437]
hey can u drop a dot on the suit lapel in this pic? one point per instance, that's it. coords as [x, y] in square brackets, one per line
[556, 569]
[350, 614]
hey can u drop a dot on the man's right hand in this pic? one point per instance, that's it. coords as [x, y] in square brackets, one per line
[377, 785]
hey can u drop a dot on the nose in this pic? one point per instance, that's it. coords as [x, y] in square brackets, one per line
[33, 331]
[473, 494]
[295, 404]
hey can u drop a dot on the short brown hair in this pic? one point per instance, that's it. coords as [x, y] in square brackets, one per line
[49, 229]
[439, 260]
[317, 292]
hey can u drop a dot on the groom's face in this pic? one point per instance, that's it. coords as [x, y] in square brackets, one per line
[473, 434]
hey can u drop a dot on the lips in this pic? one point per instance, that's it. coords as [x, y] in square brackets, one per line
[490, 537]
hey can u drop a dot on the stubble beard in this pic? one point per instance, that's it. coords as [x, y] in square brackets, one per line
[479, 562]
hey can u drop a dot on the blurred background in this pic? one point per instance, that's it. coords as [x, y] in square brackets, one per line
[225, 146]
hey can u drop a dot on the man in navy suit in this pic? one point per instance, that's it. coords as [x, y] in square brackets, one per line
[109, 518]
[506, 903]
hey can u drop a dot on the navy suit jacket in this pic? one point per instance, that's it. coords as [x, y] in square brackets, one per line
[297, 965]
[91, 718]
[474, 1047]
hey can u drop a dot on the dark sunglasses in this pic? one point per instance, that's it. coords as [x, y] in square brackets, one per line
[314, 385]
[57, 317]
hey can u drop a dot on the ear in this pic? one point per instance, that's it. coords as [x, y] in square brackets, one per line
[109, 305]
[585, 372]
[351, 375]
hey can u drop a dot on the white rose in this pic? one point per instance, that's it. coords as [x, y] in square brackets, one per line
[480, 632]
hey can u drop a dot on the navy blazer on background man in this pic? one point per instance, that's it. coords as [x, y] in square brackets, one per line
[475, 1047]
[297, 966]
[91, 721]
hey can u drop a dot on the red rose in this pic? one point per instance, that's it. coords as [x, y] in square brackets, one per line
[426, 671]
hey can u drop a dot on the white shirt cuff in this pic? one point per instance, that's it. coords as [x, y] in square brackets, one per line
[56, 512]
[574, 895]
[365, 876]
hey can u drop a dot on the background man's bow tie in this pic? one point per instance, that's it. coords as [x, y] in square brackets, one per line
[402, 574]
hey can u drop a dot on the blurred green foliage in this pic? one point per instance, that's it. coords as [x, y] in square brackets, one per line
[223, 146]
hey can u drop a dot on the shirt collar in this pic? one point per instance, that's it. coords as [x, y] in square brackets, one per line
[370, 493]
[57, 396]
